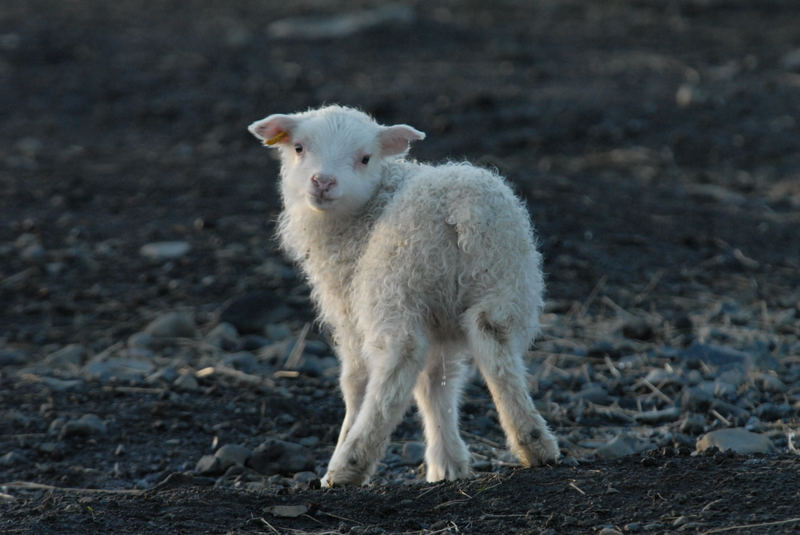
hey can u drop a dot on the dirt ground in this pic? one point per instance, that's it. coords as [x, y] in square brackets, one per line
[657, 144]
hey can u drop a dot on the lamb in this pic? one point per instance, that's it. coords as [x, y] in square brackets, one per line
[416, 269]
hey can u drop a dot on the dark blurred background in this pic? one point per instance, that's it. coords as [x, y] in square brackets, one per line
[656, 142]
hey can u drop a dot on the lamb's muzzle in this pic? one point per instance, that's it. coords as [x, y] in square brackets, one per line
[418, 270]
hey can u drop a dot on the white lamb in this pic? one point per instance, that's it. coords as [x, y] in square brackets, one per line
[416, 268]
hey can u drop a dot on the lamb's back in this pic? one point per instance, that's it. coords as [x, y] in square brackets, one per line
[447, 235]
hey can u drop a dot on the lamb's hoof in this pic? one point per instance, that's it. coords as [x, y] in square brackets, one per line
[329, 481]
[542, 449]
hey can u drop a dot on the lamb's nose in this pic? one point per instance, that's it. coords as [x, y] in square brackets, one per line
[323, 182]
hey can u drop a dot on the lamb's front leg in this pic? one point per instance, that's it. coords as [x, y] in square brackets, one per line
[392, 373]
[353, 383]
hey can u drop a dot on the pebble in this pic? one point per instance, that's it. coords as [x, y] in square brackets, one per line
[723, 357]
[119, 369]
[63, 385]
[172, 325]
[342, 24]
[12, 458]
[69, 357]
[771, 383]
[791, 60]
[140, 340]
[771, 412]
[86, 425]
[693, 424]
[167, 374]
[638, 329]
[232, 455]
[656, 417]
[738, 440]
[281, 457]
[251, 313]
[165, 250]
[622, 445]
[186, 381]
[243, 361]
[224, 336]
[11, 357]
[208, 465]
[595, 392]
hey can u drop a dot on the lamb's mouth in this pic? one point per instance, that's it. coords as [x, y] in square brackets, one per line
[321, 201]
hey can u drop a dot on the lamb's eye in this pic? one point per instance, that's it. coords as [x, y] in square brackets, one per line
[365, 159]
[298, 148]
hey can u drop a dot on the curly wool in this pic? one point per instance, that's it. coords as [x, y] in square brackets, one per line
[431, 244]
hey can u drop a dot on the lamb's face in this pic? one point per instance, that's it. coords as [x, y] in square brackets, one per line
[332, 157]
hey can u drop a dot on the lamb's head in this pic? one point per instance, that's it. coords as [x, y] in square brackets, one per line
[332, 158]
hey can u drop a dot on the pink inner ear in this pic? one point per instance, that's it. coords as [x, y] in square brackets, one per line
[396, 139]
[274, 129]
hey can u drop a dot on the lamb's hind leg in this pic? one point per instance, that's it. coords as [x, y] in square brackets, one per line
[492, 345]
[393, 368]
[437, 394]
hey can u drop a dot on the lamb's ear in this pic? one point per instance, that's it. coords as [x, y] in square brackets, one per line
[274, 129]
[396, 139]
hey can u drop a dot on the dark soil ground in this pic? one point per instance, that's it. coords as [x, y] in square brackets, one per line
[656, 142]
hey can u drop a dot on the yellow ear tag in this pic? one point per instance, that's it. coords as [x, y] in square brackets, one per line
[279, 136]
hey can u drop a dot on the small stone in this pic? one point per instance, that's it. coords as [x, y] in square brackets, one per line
[55, 426]
[172, 325]
[696, 399]
[736, 439]
[596, 393]
[165, 250]
[186, 381]
[638, 329]
[624, 444]
[681, 520]
[167, 374]
[119, 369]
[609, 531]
[11, 357]
[224, 336]
[304, 477]
[12, 458]
[251, 313]
[656, 417]
[208, 465]
[243, 361]
[15, 418]
[413, 453]
[68, 357]
[141, 340]
[724, 357]
[693, 424]
[771, 412]
[50, 448]
[791, 60]
[280, 457]
[232, 454]
[63, 385]
[33, 253]
[770, 383]
[86, 425]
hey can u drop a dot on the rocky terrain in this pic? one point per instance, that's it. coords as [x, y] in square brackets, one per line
[160, 370]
